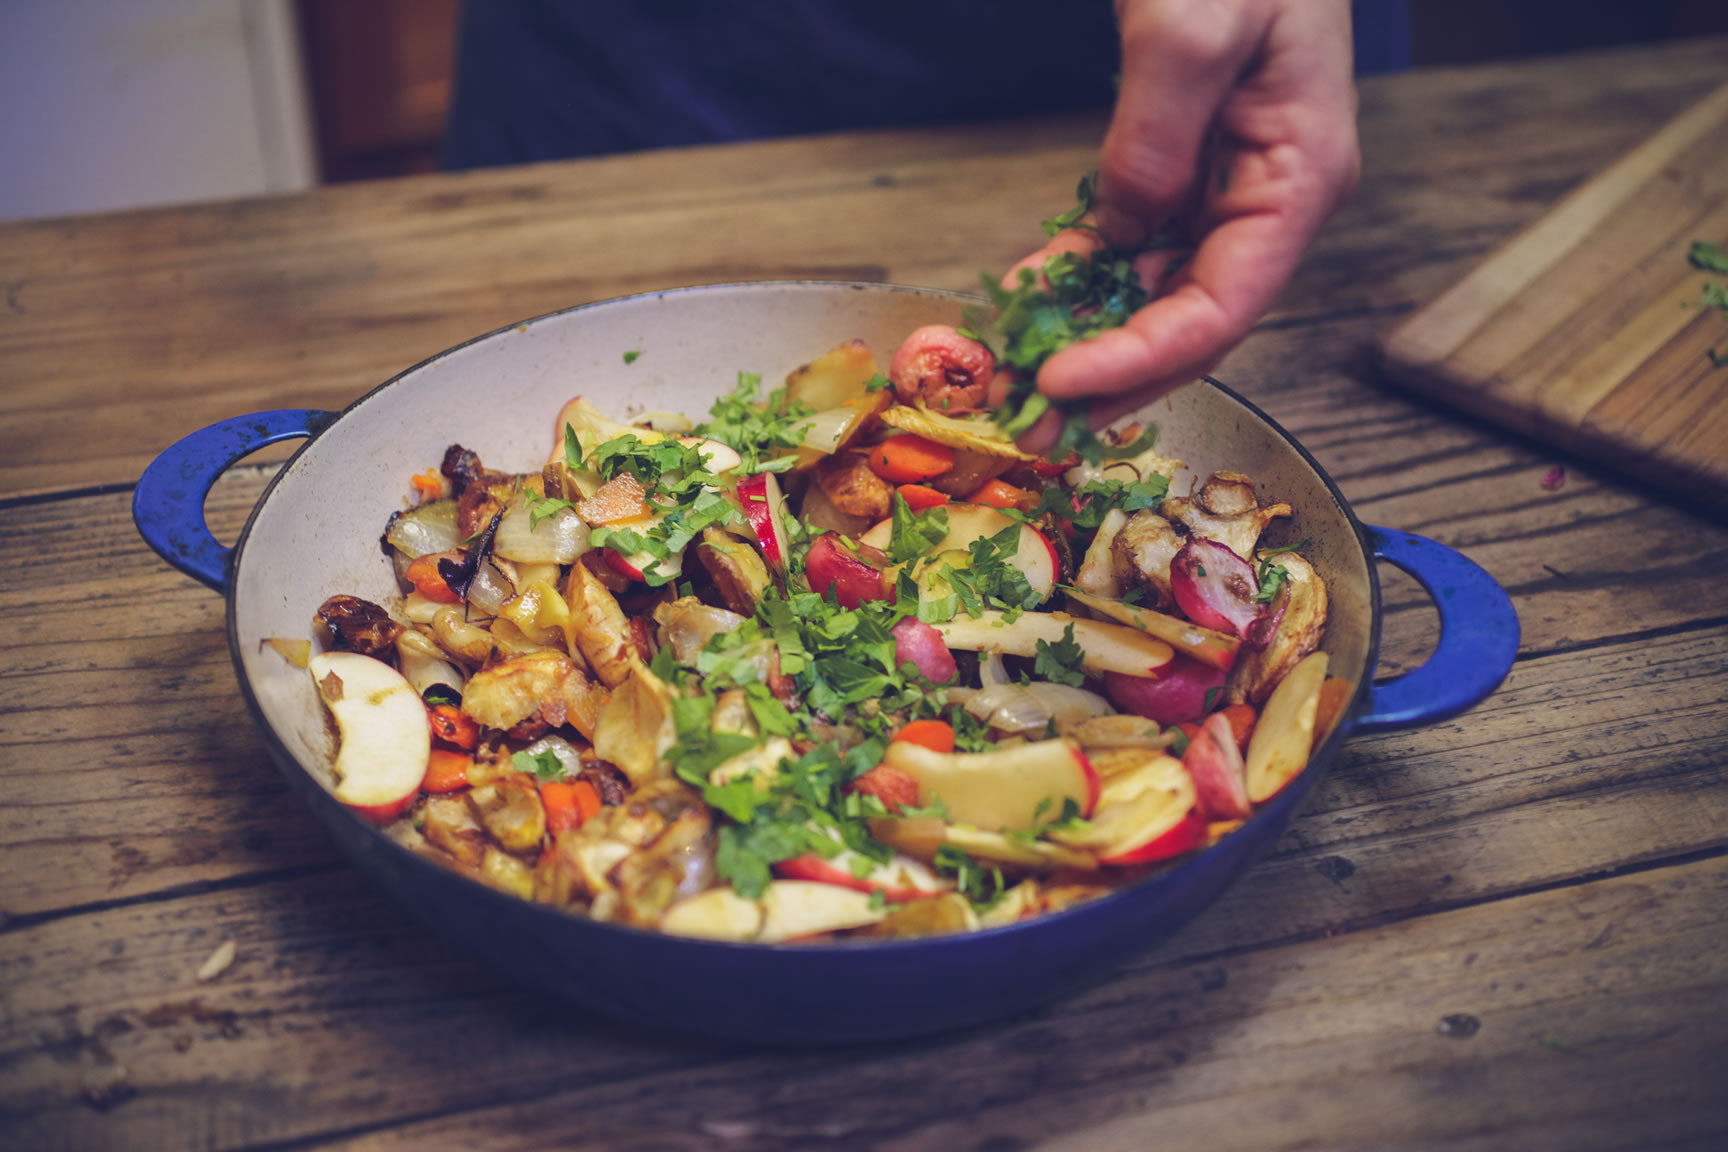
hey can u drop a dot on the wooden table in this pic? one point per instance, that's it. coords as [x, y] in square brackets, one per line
[1506, 930]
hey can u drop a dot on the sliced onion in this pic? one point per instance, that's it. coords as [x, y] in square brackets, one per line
[557, 539]
[687, 624]
[991, 670]
[1031, 707]
[1121, 731]
[490, 590]
[426, 529]
[561, 748]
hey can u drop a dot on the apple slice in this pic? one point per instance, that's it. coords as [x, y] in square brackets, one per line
[765, 509]
[717, 914]
[385, 739]
[899, 880]
[1144, 814]
[1284, 734]
[1013, 788]
[794, 909]
[1215, 762]
[1035, 556]
[1104, 647]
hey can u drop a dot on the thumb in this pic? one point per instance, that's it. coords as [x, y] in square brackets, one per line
[1180, 60]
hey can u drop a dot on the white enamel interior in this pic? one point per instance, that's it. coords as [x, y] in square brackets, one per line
[316, 533]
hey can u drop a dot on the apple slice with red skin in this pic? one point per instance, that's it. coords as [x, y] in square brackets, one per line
[830, 564]
[1145, 814]
[1035, 556]
[1214, 760]
[1010, 788]
[386, 741]
[899, 880]
[765, 510]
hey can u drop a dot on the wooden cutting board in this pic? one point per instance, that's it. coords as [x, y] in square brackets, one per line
[1584, 331]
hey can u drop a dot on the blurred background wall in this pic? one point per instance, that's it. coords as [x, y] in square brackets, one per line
[123, 103]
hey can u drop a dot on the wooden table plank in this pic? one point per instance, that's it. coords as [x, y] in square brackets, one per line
[122, 332]
[390, 1042]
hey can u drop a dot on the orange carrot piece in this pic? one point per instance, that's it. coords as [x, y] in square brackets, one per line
[569, 803]
[1334, 695]
[1241, 718]
[423, 573]
[893, 787]
[453, 726]
[428, 485]
[1001, 494]
[446, 771]
[907, 459]
[920, 496]
[936, 735]
[1189, 730]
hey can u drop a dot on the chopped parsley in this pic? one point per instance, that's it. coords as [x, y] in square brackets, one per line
[542, 765]
[764, 433]
[1059, 663]
[1032, 322]
[631, 355]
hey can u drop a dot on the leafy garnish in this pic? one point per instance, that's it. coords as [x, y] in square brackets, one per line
[912, 534]
[1707, 257]
[542, 765]
[1059, 663]
[764, 433]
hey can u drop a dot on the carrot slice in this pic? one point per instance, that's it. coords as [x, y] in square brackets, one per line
[907, 459]
[428, 485]
[896, 789]
[921, 496]
[446, 770]
[568, 803]
[423, 573]
[454, 727]
[936, 735]
[1001, 494]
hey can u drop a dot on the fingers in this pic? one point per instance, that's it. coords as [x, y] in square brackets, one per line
[1180, 59]
[1068, 240]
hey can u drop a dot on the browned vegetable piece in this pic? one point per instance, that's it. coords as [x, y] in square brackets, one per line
[1144, 547]
[1226, 510]
[356, 625]
[737, 569]
[602, 631]
[612, 785]
[1300, 612]
[450, 825]
[510, 810]
[971, 471]
[849, 484]
[678, 863]
[530, 694]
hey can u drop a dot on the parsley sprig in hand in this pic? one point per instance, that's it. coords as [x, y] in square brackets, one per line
[1079, 296]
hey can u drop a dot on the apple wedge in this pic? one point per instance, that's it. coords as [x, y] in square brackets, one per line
[717, 914]
[1203, 644]
[1284, 734]
[385, 738]
[794, 909]
[1148, 813]
[765, 510]
[1105, 647]
[1215, 763]
[899, 879]
[1012, 788]
[1034, 556]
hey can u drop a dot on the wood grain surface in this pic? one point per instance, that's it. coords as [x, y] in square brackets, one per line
[1589, 329]
[1505, 930]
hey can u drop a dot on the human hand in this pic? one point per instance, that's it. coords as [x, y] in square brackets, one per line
[1236, 120]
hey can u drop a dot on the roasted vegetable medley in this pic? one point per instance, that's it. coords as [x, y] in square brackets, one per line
[837, 661]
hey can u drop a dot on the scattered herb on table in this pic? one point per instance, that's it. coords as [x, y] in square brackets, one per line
[1707, 257]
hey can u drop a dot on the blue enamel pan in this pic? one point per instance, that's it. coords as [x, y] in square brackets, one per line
[315, 533]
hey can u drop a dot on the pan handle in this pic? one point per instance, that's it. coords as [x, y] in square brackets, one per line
[168, 504]
[1478, 634]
